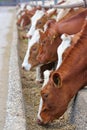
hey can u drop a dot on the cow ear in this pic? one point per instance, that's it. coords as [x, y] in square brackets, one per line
[56, 80]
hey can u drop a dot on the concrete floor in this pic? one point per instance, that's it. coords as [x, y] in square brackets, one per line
[6, 33]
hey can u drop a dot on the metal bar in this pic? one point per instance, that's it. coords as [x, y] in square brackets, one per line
[85, 3]
[64, 6]
[43, 2]
[36, 2]
[81, 4]
[55, 2]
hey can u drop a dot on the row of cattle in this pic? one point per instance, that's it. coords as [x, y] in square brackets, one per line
[57, 46]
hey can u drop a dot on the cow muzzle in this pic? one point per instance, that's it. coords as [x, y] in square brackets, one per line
[26, 67]
[39, 122]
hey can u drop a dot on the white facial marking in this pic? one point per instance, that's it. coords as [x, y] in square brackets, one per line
[25, 63]
[66, 40]
[22, 22]
[39, 111]
[38, 14]
[31, 42]
[50, 10]
[45, 27]
[46, 79]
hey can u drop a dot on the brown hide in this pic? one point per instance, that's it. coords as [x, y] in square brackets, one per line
[48, 55]
[34, 50]
[70, 26]
[65, 82]
[73, 24]
[41, 22]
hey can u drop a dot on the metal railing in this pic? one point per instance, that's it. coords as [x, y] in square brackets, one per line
[33, 2]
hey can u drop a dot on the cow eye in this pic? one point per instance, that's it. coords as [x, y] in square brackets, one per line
[44, 42]
[34, 49]
[39, 22]
[44, 109]
[45, 96]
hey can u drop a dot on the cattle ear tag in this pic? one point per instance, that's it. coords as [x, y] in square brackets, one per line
[57, 80]
[54, 36]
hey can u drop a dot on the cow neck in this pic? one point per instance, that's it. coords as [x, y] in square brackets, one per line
[73, 24]
[74, 73]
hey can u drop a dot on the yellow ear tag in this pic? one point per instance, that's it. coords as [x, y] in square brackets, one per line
[54, 37]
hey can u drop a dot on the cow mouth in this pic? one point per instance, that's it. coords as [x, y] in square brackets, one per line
[39, 122]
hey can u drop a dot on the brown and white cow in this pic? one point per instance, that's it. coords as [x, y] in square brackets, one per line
[71, 25]
[65, 82]
[25, 18]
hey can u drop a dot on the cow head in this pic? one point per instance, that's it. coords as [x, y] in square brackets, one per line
[32, 56]
[48, 15]
[54, 100]
[32, 51]
[41, 22]
[38, 15]
[24, 19]
[49, 41]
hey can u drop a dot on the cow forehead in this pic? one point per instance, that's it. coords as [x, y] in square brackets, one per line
[22, 22]
[34, 39]
[38, 14]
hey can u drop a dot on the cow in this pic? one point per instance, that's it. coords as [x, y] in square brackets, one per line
[71, 25]
[25, 18]
[32, 60]
[64, 83]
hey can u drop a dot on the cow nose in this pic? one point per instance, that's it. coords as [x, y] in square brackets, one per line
[39, 122]
[26, 66]
[30, 36]
[24, 37]
[23, 67]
